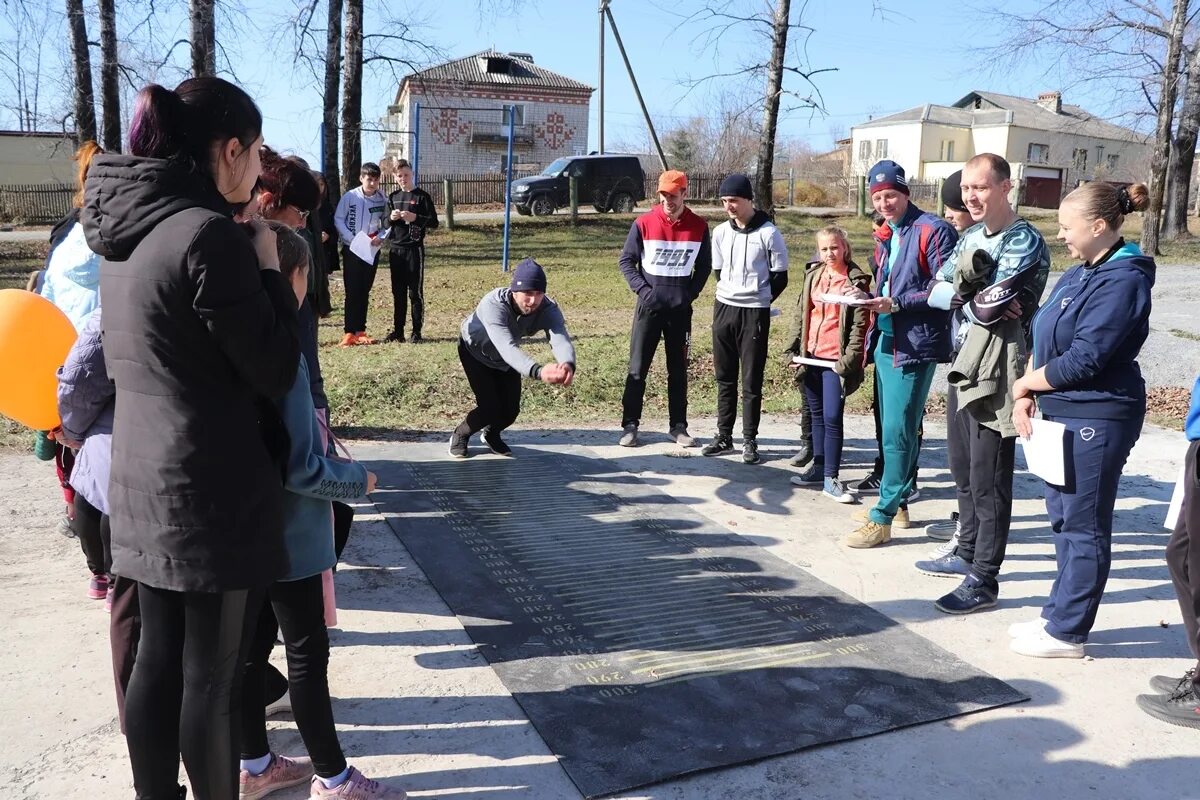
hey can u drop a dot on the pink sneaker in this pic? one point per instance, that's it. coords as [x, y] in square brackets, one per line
[108, 597]
[97, 587]
[282, 773]
[357, 787]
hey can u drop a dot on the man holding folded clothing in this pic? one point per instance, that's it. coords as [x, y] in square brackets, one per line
[994, 281]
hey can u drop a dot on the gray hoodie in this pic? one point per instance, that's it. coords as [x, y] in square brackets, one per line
[745, 259]
[494, 330]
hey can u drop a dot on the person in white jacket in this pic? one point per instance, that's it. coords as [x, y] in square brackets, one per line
[750, 261]
[360, 209]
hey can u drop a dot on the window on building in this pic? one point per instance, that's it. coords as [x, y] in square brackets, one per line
[1080, 159]
[1111, 163]
[1038, 154]
[864, 150]
[947, 150]
[881, 148]
[518, 115]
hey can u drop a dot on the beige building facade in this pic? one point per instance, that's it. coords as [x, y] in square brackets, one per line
[36, 158]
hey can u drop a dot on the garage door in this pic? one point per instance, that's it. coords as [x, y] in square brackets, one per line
[1042, 192]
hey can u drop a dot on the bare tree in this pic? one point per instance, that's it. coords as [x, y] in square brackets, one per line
[110, 89]
[352, 71]
[1183, 156]
[23, 69]
[81, 61]
[1162, 130]
[329, 99]
[202, 14]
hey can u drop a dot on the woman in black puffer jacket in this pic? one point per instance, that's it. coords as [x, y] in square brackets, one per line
[199, 336]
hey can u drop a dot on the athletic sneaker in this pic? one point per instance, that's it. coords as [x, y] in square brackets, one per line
[1178, 708]
[813, 476]
[803, 456]
[97, 587]
[282, 773]
[836, 491]
[914, 495]
[945, 548]
[870, 534]
[1043, 645]
[281, 706]
[971, 595]
[394, 337]
[1021, 630]
[108, 597]
[629, 435]
[362, 338]
[417, 338]
[721, 443]
[679, 433]
[750, 451]
[458, 445]
[945, 530]
[356, 787]
[901, 520]
[495, 443]
[349, 340]
[867, 485]
[948, 566]
[1167, 684]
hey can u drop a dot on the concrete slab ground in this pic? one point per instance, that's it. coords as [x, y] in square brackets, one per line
[416, 704]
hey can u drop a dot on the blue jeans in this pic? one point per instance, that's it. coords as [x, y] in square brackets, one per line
[902, 394]
[823, 394]
[1081, 514]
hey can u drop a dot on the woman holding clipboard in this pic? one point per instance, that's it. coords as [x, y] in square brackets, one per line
[828, 354]
[1085, 375]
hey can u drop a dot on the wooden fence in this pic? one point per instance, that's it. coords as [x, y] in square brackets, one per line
[36, 204]
[488, 188]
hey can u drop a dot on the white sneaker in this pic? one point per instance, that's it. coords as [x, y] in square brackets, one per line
[281, 706]
[1022, 630]
[944, 549]
[1043, 645]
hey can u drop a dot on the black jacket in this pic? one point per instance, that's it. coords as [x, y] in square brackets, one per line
[197, 340]
[411, 234]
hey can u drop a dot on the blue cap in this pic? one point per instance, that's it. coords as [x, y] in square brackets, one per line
[528, 277]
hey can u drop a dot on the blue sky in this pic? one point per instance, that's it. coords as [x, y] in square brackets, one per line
[917, 54]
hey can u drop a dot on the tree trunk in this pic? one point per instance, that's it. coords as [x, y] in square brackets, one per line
[110, 90]
[1162, 132]
[329, 113]
[1183, 155]
[204, 37]
[764, 166]
[85, 99]
[352, 95]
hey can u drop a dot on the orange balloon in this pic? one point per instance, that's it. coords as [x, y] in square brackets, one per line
[35, 337]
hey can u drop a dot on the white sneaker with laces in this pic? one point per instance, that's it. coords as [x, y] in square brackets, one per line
[945, 548]
[1021, 630]
[1043, 645]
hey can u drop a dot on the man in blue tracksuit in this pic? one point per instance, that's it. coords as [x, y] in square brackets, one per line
[1085, 375]
[908, 340]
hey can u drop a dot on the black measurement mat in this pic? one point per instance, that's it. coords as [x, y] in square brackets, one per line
[643, 640]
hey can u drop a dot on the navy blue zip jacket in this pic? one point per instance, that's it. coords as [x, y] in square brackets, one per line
[921, 333]
[1088, 336]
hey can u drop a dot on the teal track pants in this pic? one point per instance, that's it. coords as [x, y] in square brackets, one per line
[902, 394]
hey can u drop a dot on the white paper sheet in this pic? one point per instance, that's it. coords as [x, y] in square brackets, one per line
[1176, 500]
[814, 362]
[1045, 451]
[846, 300]
[365, 247]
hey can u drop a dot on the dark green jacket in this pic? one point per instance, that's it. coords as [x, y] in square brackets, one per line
[853, 326]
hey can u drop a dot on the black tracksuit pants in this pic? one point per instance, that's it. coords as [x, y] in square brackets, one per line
[359, 277]
[674, 327]
[407, 265]
[95, 536]
[981, 461]
[739, 346]
[1183, 556]
[497, 395]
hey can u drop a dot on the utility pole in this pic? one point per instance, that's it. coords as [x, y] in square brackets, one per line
[636, 90]
[600, 110]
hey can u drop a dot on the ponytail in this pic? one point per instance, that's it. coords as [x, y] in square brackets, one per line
[83, 160]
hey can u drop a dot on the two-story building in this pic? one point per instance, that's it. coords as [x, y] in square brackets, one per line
[1052, 147]
[463, 122]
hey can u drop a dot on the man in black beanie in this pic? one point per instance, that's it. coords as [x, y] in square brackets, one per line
[494, 362]
[956, 210]
[750, 261]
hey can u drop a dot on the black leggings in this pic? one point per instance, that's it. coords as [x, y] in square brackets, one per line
[296, 608]
[497, 395]
[91, 526]
[184, 686]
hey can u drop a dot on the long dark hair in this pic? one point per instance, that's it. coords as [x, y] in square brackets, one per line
[289, 183]
[184, 124]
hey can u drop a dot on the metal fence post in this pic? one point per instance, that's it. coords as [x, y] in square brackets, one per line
[512, 112]
[574, 184]
[941, 205]
[791, 187]
[862, 195]
[448, 191]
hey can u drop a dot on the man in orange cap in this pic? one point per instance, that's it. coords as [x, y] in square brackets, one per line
[666, 261]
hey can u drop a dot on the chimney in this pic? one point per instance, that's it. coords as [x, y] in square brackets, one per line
[1051, 101]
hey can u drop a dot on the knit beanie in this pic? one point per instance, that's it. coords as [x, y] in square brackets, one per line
[952, 193]
[887, 175]
[736, 186]
[528, 277]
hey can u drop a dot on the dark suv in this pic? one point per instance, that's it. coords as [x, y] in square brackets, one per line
[609, 183]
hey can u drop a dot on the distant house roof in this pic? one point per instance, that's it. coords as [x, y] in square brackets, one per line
[495, 70]
[992, 108]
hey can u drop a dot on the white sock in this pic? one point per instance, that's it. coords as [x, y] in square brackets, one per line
[336, 780]
[256, 766]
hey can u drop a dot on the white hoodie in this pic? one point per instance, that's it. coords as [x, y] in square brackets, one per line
[746, 257]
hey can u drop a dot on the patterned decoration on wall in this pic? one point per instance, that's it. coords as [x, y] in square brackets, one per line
[555, 132]
[447, 127]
